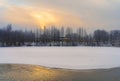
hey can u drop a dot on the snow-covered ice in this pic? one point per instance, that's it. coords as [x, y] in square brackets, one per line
[63, 57]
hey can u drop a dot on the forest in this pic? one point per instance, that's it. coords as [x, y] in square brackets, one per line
[54, 36]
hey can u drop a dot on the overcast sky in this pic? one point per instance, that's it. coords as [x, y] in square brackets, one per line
[91, 14]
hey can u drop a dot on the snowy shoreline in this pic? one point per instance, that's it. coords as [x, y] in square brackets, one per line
[63, 57]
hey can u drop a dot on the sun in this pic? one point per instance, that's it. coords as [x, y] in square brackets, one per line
[44, 19]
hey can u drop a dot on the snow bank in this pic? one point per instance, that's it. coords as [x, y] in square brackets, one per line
[63, 57]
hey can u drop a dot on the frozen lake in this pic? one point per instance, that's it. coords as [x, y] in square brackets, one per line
[63, 57]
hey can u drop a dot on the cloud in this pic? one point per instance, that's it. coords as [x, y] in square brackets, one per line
[2, 3]
[89, 13]
[95, 13]
[38, 17]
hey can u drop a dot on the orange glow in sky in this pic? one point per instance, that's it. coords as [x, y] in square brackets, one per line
[90, 14]
[44, 19]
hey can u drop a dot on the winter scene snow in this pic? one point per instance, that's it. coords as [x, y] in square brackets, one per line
[63, 57]
[59, 40]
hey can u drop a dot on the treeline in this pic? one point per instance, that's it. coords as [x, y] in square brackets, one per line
[58, 37]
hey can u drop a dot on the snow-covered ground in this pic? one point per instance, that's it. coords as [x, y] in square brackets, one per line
[63, 57]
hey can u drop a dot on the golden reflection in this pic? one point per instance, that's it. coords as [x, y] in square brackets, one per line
[44, 73]
[29, 73]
